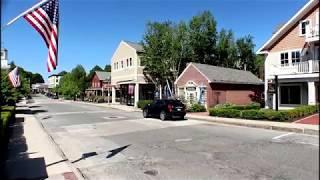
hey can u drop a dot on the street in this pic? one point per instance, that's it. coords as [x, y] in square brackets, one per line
[105, 143]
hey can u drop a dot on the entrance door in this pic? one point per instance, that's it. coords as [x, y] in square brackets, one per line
[290, 94]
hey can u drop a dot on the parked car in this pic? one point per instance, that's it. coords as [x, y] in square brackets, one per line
[165, 109]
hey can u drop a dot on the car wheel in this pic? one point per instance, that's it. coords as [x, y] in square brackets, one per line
[145, 113]
[163, 115]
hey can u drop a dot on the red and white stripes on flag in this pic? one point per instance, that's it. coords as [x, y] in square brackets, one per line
[45, 20]
[14, 77]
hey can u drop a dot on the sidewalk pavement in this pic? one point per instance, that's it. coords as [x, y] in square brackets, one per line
[32, 152]
[204, 116]
[281, 126]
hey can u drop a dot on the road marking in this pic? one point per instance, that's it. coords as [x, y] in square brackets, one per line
[283, 135]
[183, 140]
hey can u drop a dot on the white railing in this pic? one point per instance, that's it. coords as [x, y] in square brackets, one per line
[310, 66]
[312, 34]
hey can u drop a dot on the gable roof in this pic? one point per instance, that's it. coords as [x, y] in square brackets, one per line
[287, 26]
[102, 75]
[138, 47]
[216, 74]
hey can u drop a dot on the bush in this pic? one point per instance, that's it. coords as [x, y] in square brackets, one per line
[142, 103]
[272, 115]
[224, 112]
[239, 107]
[197, 108]
[265, 114]
[252, 114]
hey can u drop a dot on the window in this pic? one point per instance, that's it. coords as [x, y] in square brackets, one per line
[295, 56]
[117, 65]
[303, 27]
[121, 64]
[127, 62]
[290, 94]
[130, 61]
[284, 59]
[114, 66]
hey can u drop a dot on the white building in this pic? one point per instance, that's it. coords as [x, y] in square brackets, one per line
[4, 59]
[129, 84]
[53, 80]
[292, 54]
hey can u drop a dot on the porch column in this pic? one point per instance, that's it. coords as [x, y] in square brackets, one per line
[311, 93]
[113, 95]
[136, 95]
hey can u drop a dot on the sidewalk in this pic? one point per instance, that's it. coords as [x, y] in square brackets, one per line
[33, 154]
[281, 126]
[204, 116]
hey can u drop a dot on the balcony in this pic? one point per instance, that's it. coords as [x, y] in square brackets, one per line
[312, 34]
[305, 67]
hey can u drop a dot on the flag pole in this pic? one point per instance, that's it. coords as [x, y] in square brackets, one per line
[25, 12]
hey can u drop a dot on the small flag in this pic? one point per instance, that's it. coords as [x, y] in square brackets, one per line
[14, 77]
[45, 20]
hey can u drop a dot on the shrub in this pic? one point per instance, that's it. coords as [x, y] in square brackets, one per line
[239, 107]
[197, 108]
[224, 112]
[272, 115]
[142, 103]
[226, 105]
[252, 114]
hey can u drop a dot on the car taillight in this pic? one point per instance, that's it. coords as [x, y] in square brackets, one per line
[170, 107]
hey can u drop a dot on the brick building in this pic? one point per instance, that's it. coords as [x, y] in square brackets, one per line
[212, 85]
[100, 85]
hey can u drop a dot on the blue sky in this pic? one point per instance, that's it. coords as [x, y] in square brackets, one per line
[90, 30]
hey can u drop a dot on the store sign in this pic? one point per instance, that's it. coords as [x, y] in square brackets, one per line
[271, 87]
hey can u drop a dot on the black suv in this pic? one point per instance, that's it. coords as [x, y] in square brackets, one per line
[165, 109]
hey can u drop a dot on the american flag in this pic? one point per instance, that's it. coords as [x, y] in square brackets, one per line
[45, 19]
[14, 77]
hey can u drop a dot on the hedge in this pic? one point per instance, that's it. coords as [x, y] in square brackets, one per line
[224, 112]
[142, 103]
[197, 108]
[6, 117]
[265, 114]
[243, 107]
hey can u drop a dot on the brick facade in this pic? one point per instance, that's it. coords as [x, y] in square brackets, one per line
[241, 94]
[218, 93]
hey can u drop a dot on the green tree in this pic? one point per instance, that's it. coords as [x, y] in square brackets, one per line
[202, 38]
[36, 78]
[91, 72]
[226, 51]
[107, 68]
[158, 58]
[62, 73]
[74, 83]
[246, 54]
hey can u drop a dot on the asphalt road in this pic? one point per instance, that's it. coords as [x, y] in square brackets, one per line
[106, 143]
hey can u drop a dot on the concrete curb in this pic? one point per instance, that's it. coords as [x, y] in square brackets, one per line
[75, 170]
[257, 125]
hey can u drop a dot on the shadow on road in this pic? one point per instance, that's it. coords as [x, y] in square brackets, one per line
[113, 152]
[117, 150]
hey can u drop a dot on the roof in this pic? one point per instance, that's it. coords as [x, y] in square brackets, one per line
[138, 47]
[54, 75]
[216, 74]
[102, 75]
[286, 27]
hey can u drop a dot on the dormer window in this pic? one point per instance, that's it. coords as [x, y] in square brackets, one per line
[303, 27]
